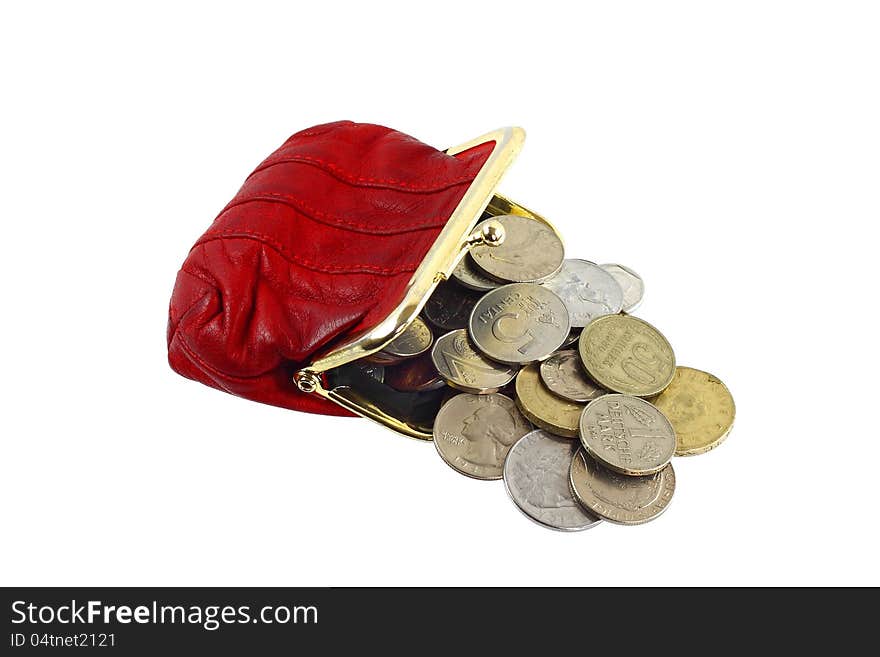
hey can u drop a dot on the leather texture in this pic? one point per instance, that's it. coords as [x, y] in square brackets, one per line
[319, 242]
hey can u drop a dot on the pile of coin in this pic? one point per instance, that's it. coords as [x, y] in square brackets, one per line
[553, 386]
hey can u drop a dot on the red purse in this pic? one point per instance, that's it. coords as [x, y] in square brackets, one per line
[326, 253]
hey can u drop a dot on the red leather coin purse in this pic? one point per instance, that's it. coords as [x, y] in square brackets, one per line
[327, 252]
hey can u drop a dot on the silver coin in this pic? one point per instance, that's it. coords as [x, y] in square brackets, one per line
[627, 434]
[564, 376]
[449, 307]
[618, 498]
[587, 290]
[473, 433]
[573, 336]
[415, 340]
[519, 323]
[630, 282]
[468, 274]
[531, 252]
[464, 368]
[536, 476]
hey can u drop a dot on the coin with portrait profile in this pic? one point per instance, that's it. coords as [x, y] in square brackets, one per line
[619, 498]
[473, 433]
[564, 375]
[530, 253]
[536, 476]
[587, 290]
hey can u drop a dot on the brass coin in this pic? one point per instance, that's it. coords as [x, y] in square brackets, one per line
[618, 498]
[627, 355]
[544, 409]
[564, 375]
[701, 409]
[627, 434]
[416, 339]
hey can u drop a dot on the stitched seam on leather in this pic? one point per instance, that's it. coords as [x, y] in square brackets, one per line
[363, 181]
[331, 220]
[303, 262]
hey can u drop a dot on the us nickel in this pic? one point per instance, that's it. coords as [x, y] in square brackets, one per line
[627, 434]
[473, 433]
[536, 476]
[465, 369]
[519, 323]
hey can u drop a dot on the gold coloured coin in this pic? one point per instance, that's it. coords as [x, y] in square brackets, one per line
[627, 355]
[544, 409]
[700, 408]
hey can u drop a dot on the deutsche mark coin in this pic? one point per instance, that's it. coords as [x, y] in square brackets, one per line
[531, 251]
[462, 367]
[625, 354]
[701, 409]
[473, 433]
[630, 282]
[627, 434]
[564, 375]
[587, 290]
[519, 323]
[618, 498]
[544, 409]
[536, 476]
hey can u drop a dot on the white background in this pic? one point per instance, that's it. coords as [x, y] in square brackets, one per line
[729, 152]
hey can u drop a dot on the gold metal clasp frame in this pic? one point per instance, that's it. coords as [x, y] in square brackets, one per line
[454, 241]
